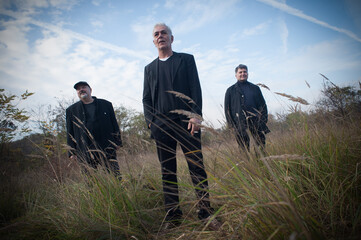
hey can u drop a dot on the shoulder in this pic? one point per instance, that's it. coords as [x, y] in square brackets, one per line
[102, 101]
[74, 106]
[183, 55]
[232, 87]
[151, 64]
[252, 85]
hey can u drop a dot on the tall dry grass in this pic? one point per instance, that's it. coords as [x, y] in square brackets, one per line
[306, 185]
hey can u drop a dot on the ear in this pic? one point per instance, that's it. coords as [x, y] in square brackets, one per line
[171, 39]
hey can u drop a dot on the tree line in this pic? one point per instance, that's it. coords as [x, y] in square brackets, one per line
[340, 103]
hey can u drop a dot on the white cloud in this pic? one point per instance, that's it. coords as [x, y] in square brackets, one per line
[97, 2]
[295, 12]
[143, 28]
[284, 36]
[60, 58]
[195, 14]
[257, 30]
[97, 23]
[30, 6]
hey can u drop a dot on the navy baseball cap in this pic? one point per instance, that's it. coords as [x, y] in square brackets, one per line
[80, 83]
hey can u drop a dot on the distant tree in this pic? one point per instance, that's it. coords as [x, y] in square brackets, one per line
[343, 101]
[276, 124]
[124, 117]
[12, 119]
[134, 130]
[51, 119]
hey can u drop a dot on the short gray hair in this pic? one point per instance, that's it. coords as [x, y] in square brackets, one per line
[163, 25]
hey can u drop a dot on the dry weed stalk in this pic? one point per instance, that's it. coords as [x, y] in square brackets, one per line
[264, 86]
[294, 99]
[308, 85]
[188, 114]
[324, 77]
[285, 157]
[181, 95]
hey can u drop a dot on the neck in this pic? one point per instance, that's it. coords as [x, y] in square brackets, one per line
[165, 53]
[87, 100]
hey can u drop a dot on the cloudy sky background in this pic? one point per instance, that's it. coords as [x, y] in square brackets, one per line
[48, 45]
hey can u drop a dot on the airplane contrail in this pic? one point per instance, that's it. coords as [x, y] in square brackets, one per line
[295, 12]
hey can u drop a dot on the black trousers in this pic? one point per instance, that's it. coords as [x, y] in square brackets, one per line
[243, 139]
[167, 134]
[95, 157]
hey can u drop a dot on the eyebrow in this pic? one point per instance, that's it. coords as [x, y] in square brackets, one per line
[162, 31]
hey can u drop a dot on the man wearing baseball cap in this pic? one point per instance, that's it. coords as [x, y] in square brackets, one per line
[92, 130]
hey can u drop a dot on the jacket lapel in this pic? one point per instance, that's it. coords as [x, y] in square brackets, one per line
[238, 89]
[176, 63]
[153, 78]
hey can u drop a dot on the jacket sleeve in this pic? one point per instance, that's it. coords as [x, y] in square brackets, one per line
[264, 112]
[194, 85]
[70, 132]
[116, 131]
[227, 108]
[148, 107]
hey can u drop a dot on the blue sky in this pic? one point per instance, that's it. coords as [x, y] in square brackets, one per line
[48, 45]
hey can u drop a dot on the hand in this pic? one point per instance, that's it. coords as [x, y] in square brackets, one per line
[194, 125]
[73, 157]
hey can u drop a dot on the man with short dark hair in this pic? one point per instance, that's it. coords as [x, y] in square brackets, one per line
[245, 108]
[169, 73]
[92, 130]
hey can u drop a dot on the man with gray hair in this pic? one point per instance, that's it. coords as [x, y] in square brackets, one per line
[171, 73]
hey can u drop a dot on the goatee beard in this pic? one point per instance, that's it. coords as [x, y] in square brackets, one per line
[84, 96]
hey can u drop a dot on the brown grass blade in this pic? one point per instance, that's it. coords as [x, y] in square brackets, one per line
[294, 99]
[181, 95]
[188, 114]
[285, 157]
[264, 86]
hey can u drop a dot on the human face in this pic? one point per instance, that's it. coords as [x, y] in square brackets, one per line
[84, 92]
[242, 74]
[161, 38]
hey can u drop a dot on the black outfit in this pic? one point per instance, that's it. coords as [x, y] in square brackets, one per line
[178, 73]
[93, 133]
[245, 108]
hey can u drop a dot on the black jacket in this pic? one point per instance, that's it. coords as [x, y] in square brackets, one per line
[185, 80]
[106, 131]
[244, 101]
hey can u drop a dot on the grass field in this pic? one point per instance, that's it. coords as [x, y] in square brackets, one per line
[306, 186]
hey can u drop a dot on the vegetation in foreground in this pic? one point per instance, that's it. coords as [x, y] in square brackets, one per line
[306, 185]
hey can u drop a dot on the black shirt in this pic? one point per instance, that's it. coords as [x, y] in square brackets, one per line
[165, 102]
[90, 116]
